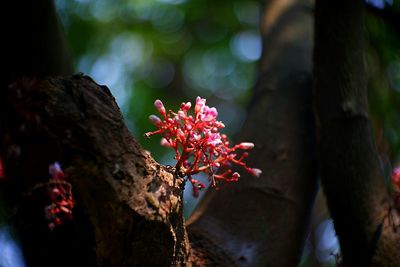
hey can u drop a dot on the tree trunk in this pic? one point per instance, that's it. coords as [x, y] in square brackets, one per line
[128, 208]
[264, 221]
[350, 169]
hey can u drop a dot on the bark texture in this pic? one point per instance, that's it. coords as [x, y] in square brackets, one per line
[350, 168]
[128, 208]
[263, 221]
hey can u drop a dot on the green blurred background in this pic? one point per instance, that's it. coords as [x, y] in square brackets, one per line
[175, 50]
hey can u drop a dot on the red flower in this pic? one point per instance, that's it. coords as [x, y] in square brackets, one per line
[396, 186]
[396, 176]
[60, 194]
[198, 144]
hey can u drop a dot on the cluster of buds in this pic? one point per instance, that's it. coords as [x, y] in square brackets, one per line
[60, 193]
[198, 144]
[396, 186]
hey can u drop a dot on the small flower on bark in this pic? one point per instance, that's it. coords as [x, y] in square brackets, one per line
[198, 144]
[396, 176]
[396, 186]
[60, 194]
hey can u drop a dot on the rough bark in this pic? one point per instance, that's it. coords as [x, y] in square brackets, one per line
[263, 221]
[128, 208]
[350, 169]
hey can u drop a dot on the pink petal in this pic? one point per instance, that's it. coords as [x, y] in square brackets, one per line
[160, 107]
[254, 171]
[245, 145]
[155, 120]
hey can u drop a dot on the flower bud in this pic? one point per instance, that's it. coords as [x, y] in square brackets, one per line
[396, 176]
[55, 171]
[210, 114]
[165, 142]
[200, 102]
[181, 115]
[254, 171]
[160, 107]
[195, 191]
[219, 124]
[235, 176]
[245, 145]
[186, 106]
[155, 120]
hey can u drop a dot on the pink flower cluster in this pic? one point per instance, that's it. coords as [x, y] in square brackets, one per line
[396, 185]
[60, 193]
[198, 144]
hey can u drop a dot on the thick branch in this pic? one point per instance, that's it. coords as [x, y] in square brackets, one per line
[263, 221]
[128, 208]
[350, 167]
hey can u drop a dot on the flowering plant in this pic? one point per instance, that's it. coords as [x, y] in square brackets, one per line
[396, 186]
[60, 193]
[198, 144]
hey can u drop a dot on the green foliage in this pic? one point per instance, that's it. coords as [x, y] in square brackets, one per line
[167, 49]
[383, 58]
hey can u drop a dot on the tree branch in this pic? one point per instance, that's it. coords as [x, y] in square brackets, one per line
[350, 168]
[263, 221]
[128, 208]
